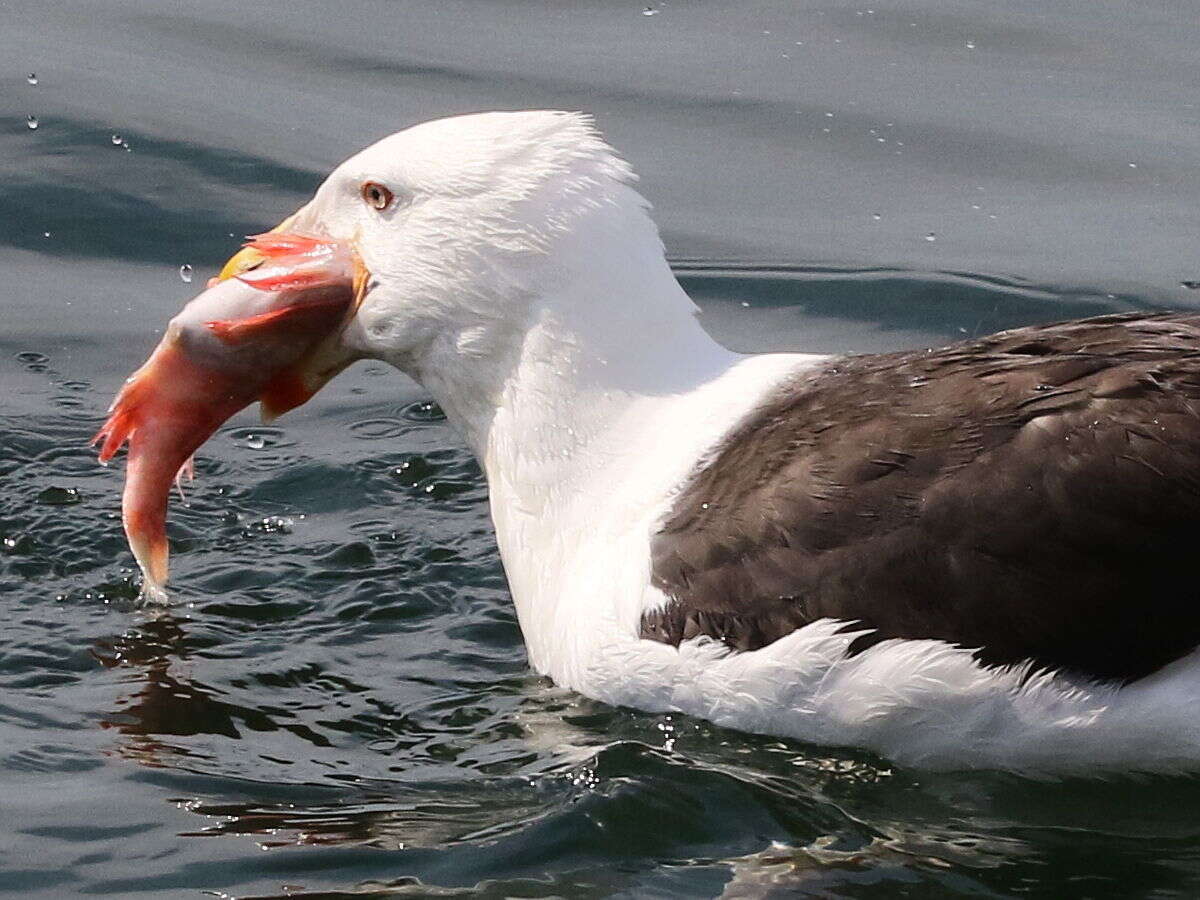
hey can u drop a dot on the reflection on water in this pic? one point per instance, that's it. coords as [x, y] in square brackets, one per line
[166, 705]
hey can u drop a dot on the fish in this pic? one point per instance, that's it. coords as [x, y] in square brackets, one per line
[253, 334]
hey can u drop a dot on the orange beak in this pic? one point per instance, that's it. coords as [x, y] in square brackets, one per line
[253, 334]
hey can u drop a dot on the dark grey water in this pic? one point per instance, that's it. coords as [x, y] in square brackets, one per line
[338, 700]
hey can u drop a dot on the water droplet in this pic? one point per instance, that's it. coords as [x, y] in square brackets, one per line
[829, 115]
[32, 78]
[650, 11]
[931, 237]
[1133, 165]
[970, 45]
[745, 304]
[45, 234]
[876, 216]
[185, 273]
[256, 441]
[32, 122]
[273, 525]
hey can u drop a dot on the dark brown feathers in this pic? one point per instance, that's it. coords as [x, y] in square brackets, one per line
[1035, 495]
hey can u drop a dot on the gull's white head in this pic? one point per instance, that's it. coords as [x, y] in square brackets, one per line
[460, 221]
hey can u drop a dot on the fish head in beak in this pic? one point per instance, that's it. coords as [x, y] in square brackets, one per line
[264, 330]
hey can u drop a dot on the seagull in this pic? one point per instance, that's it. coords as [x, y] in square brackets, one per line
[973, 556]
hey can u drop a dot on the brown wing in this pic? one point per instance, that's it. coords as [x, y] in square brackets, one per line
[1035, 494]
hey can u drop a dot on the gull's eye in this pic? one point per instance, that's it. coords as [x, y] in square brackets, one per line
[376, 195]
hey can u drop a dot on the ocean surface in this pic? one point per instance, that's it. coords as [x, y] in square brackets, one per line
[337, 701]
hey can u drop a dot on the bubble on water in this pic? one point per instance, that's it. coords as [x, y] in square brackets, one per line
[876, 216]
[45, 234]
[116, 140]
[423, 411]
[59, 496]
[1133, 165]
[185, 273]
[256, 441]
[931, 237]
[31, 122]
[650, 11]
[970, 45]
[32, 78]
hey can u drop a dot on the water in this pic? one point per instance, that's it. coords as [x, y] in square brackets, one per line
[338, 700]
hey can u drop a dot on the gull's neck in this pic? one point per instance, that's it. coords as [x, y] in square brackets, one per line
[607, 330]
[587, 412]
